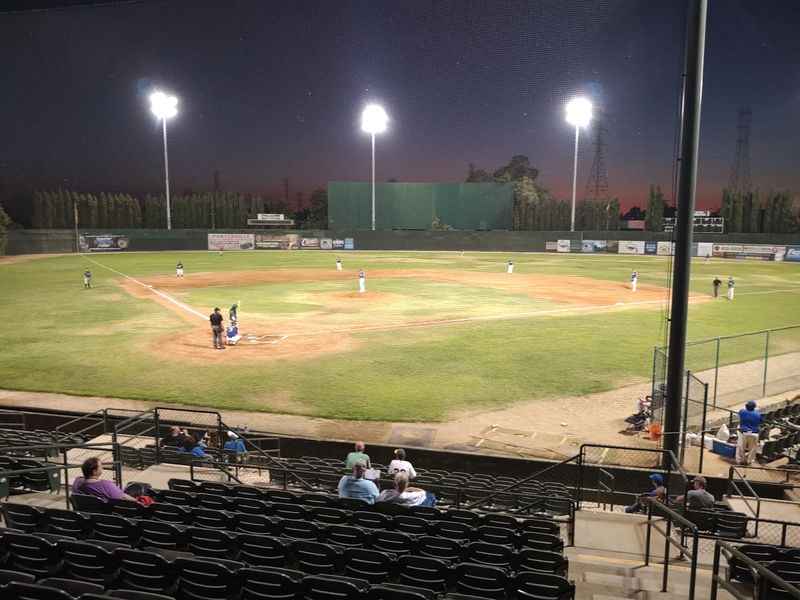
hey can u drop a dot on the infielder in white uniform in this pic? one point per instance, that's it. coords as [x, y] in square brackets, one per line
[634, 280]
[338, 264]
[731, 285]
[510, 267]
[179, 270]
[362, 282]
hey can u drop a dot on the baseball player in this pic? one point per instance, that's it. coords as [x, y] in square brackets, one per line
[731, 285]
[232, 334]
[510, 267]
[216, 329]
[233, 313]
[362, 282]
[87, 279]
[634, 280]
[716, 283]
[179, 269]
[338, 264]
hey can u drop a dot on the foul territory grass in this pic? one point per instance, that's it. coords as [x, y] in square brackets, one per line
[62, 338]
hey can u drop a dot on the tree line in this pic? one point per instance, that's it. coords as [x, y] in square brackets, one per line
[750, 213]
[203, 210]
[536, 209]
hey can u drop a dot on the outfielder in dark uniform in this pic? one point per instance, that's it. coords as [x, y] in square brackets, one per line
[716, 283]
[87, 279]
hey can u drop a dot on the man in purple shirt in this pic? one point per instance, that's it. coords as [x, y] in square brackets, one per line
[91, 484]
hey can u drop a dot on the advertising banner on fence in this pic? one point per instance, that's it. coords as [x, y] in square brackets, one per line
[705, 249]
[551, 246]
[309, 243]
[338, 244]
[792, 254]
[268, 241]
[326, 244]
[665, 248]
[754, 251]
[231, 241]
[563, 246]
[628, 247]
[650, 247]
[593, 246]
[612, 246]
[103, 243]
[349, 244]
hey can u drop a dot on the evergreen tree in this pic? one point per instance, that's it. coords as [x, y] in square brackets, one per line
[654, 219]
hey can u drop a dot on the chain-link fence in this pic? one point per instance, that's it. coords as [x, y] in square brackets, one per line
[738, 368]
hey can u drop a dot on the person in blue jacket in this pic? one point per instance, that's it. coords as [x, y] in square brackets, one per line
[235, 443]
[749, 426]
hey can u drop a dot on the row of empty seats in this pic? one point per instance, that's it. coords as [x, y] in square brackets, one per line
[44, 480]
[783, 562]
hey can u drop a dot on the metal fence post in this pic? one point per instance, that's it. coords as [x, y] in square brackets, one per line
[685, 419]
[715, 571]
[693, 570]
[157, 435]
[766, 359]
[667, 537]
[716, 373]
[703, 428]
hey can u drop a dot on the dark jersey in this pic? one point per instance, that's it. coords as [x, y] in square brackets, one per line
[216, 319]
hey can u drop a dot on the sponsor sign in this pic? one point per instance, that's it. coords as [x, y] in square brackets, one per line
[270, 217]
[231, 241]
[631, 247]
[266, 241]
[326, 244]
[757, 251]
[309, 243]
[612, 246]
[792, 254]
[705, 249]
[650, 247]
[349, 244]
[338, 244]
[665, 248]
[551, 246]
[103, 243]
[562, 246]
[593, 246]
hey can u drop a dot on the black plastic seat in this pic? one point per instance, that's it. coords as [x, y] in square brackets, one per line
[247, 491]
[29, 591]
[370, 520]
[160, 534]
[441, 548]
[285, 510]
[394, 591]
[330, 516]
[317, 500]
[544, 525]
[251, 506]
[347, 535]
[262, 550]
[113, 528]
[412, 525]
[88, 504]
[207, 579]
[179, 497]
[394, 542]
[424, 571]
[529, 585]
[332, 587]
[788, 571]
[59, 521]
[453, 530]
[300, 529]
[22, 517]
[213, 501]
[731, 525]
[496, 520]
[248, 523]
[370, 565]
[317, 558]
[171, 513]
[211, 543]
[30, 554]
[481, 580]
[74, 588]
[145, 571]
[215, 487]
[353, 504]
[213, 519]
[280, 496]
[532, 559]
[182, 485]
[463, 516]
[496, 535]
[126, 508]
[89, 561]
[763, 554]
[270, 584]
[8, 576]
[134, 595]
[45, 480]
[531, 538]
[490, 554]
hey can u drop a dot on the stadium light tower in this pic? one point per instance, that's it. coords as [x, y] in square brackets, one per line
[579, 114]
[374, 120]
[164, 107]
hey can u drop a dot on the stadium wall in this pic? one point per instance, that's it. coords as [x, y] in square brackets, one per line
[32, 241]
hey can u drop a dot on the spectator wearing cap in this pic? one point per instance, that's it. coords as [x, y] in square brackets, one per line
[174, 439]
[357, 456]
[356, 487]
[235, 443]
[697, 498]
[400, 465]
[658, 491]
[749, 426]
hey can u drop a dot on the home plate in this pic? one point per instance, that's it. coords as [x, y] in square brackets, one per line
[264, 339]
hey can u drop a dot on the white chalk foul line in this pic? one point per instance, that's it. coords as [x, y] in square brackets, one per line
[167, 297]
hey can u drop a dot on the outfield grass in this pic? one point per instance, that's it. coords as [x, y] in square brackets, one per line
[62, 338]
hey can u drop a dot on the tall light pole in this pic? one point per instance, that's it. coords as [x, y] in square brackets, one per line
[374, 120]
[164, 107]
[579, 114]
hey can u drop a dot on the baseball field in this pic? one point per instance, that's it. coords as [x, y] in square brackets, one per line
[436, 335]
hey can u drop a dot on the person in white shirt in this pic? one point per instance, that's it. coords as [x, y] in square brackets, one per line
[400, 465]
[406, 496]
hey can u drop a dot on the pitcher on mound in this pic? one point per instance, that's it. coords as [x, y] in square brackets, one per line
[338, 264]
[510, 267]
[362, 282]
[634, 280]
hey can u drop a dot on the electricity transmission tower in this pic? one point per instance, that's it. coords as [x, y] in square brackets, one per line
[597, 184]
[740, 172]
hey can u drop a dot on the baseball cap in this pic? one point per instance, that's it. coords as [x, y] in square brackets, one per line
[657, 479]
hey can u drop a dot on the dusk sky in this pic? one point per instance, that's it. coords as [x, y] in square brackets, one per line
[272, 89]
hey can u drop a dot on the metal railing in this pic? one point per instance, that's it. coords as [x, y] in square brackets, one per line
[672, 517]
[760, 574]
[733, 486]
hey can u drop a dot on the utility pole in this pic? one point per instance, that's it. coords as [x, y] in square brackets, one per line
[597, 184]
[696, 19]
